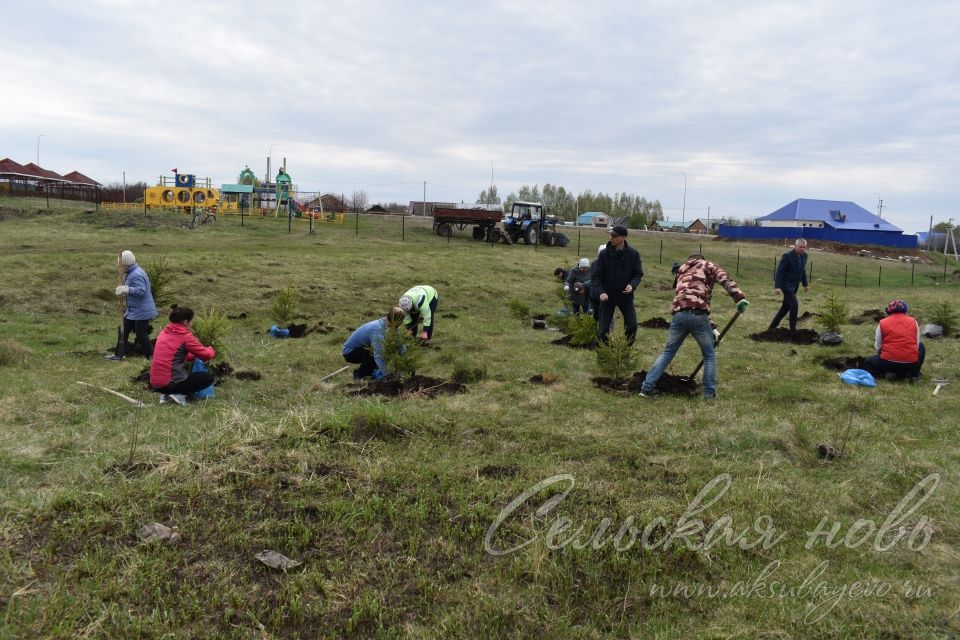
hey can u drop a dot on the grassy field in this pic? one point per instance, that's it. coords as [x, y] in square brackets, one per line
[504, 511]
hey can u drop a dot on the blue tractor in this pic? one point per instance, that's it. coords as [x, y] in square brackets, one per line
[527, 221]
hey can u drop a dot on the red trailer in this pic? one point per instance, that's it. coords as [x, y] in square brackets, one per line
[484, 222]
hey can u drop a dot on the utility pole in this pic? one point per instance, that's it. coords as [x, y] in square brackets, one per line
[879, 205]
[124, 187]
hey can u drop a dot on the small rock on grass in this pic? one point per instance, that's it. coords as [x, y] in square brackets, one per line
[158, 532]
[276, 560]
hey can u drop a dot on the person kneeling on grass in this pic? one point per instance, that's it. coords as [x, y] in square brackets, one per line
[173, 356]
[365, 346]
[900, 353]
[691, 315]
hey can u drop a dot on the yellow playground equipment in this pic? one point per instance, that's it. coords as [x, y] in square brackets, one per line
[182, 192]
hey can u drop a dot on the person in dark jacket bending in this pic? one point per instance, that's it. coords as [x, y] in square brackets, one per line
[790, 274]
[616, 274]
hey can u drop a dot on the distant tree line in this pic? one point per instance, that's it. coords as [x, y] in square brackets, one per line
[114, 192]
[567, 205]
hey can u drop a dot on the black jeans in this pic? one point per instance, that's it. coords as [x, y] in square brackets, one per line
[790, 305]
[194, 382]
[141, 345]
[880, 367]
[363, 357]
[416, 317]
[625, 304]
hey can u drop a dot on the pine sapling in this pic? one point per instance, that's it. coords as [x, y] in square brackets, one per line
[210, 328]
[834, 313]
[159, 273]
[400, 351]
[284, 307]
[617, 357]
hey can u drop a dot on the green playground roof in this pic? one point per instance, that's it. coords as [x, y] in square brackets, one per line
[236, 188]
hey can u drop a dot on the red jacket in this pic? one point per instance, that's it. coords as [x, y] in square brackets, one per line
[175, 347]
[898, 335]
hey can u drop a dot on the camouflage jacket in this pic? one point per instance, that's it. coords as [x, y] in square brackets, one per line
[694, 285]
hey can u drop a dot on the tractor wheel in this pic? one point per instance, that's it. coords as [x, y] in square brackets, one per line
[444, 229]
[479, 233]
[530, 236]
[493, 235]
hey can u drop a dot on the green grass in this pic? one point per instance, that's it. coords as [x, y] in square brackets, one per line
[388, 501]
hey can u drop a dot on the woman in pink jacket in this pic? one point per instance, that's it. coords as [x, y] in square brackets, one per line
[173, 357]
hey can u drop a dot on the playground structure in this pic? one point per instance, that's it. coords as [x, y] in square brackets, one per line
[264, 198]
[182, 192]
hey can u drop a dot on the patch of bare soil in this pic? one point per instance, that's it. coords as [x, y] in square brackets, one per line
[497, 471]
[566, 341]
[543, 378]
[415, 385]
[220, 371]
[669, 385]
[806, 315]
[800, 336]
[842, 363]
[655, 323]
[875, 315]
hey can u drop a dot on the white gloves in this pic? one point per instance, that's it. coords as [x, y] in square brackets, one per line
[566, 287]
[122, 290]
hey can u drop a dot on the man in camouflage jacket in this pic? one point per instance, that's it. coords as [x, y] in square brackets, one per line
[691, 315]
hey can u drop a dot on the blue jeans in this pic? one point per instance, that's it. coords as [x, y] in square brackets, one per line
[683, 323]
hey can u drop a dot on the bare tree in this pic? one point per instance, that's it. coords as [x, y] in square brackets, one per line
[358, 201]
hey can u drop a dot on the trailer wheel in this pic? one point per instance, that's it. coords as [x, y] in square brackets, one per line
[444, 229]
[530, 235]
[547, 238]
[479, 233]
[561, 240]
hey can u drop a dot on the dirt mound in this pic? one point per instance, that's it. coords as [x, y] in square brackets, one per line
[806, 315]
[668, 385]
[800, 336]
[543, 378]
[415, 385]
[843, 363]
[870, 314]
[566, 341]
[220, 371]
[655, 323]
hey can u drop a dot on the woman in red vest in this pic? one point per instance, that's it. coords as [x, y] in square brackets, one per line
[899, 350]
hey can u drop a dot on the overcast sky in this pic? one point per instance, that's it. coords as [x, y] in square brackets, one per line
[758, 103]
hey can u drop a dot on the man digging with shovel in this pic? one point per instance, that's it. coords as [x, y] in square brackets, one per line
[691, 314]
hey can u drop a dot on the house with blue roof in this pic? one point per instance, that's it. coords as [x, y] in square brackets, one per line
[834, 220]
[593, 219]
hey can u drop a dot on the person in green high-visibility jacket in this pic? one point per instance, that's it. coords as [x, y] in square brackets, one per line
[420, 303]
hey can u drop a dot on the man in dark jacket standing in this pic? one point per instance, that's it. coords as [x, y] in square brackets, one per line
[616, 275]
[790, 274]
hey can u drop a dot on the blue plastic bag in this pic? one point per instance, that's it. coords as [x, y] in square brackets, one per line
[858, 376]
[203, 394]
[278, 332]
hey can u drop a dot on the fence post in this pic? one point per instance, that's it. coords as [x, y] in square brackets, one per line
[810, 275]
[144, 201]
[46, 189]
[289, 219]
[661, 251]
[356, 224]
[774, 267]
[879, 273]
[913, 267]
[403, 227]
[242, 209]
[844, 276]
[310, 213]
[737, 273]
[579, 231]
[701, 249]
[449, 232]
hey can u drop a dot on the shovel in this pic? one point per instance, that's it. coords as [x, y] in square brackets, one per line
[719, 338]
